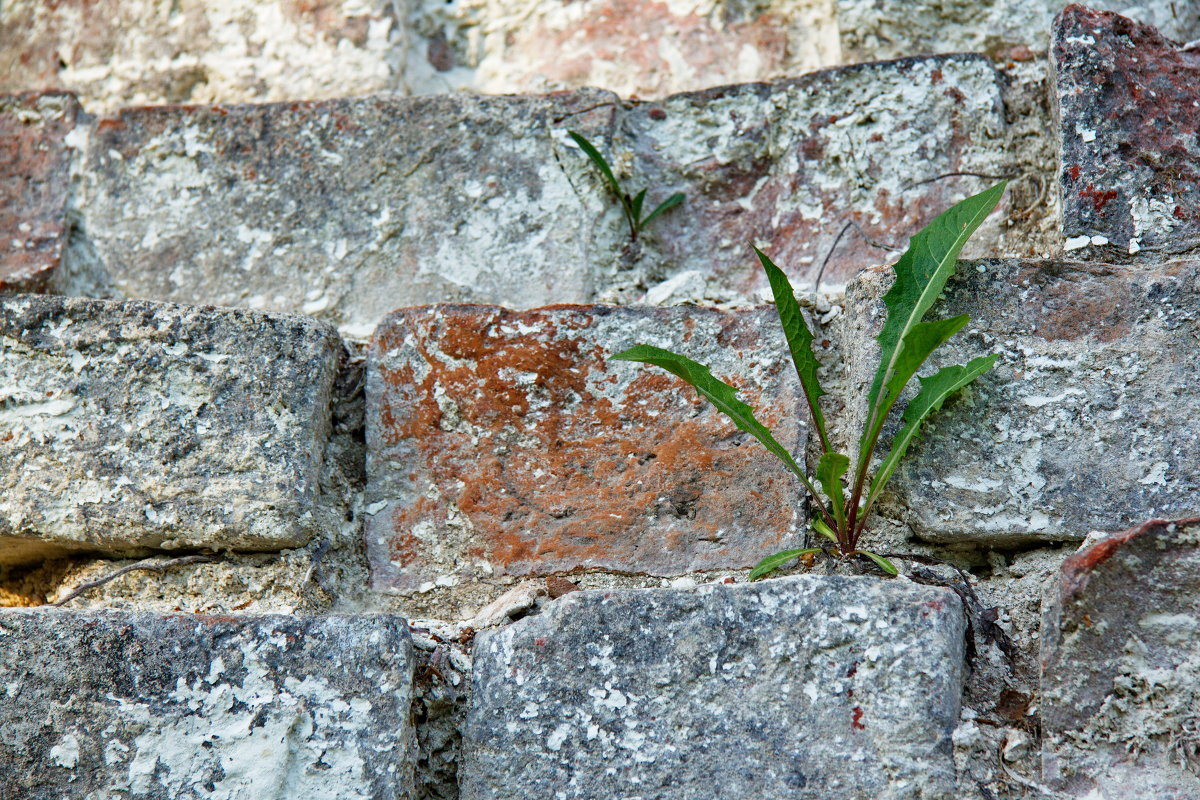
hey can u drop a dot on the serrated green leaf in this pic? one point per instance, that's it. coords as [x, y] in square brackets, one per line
[636, 206]
[772, 563]
[921, 274]
[934, 391]
[830, 470]
[820, 527]
[717, 392]
[880, 562]
[799, 339]
[663, 207]
[598, 160]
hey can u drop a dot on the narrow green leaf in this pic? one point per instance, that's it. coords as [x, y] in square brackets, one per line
[934, 391]
[720, 394]
[820, 527]
[799, 339]
[598, 160]
[663, 207]
[921, 274]
[772, 563]
[636, 206]
[921, 341]
[880, 562]
[830, 470]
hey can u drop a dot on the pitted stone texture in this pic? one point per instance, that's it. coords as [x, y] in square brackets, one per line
[635, 47]
[826, 167]
[1005, 29]
[806, 687]
[115, 53]
[1128, 108]
[504, 443]
[1085, 423]
[1120, 668]
[129, 425]
[345, 209]
[108, 704]
[35, 163]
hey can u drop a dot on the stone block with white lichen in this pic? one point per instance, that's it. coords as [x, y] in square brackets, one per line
[806, 688]
[1087, 421]
[133, 425]
[116, 704]
[1120, 678]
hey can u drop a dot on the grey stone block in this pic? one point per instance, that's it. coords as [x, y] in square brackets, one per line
[1087, 422]
[343, 209]
[107, 704]
[129, 425]
[804, 687]
[874, 29]
[1120, 680]
[815, 170]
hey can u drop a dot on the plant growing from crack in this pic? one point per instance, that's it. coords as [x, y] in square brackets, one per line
[631, 205]
[906, 342]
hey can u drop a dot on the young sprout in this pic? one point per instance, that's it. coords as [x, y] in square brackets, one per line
[631, 205]
[906, 342]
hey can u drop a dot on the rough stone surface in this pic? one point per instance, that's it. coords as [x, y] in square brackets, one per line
[874, 29]
[503, 443]
[1085, 423]
[635, 47]
[1120, 667]
[115, 53]
[1128, 108]
[132, 424]
[35, 162]
[806, 687]
[836, 166]
[343, 209]
[108, 704]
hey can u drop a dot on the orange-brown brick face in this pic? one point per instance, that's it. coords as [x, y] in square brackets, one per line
[505, 443]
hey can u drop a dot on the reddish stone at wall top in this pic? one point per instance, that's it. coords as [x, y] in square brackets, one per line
[1128, 103]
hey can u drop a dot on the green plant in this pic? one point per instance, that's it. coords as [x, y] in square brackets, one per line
[905, 342]
[631, 205]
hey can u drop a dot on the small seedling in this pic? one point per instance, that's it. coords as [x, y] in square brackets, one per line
[905, 343]
[631, 205]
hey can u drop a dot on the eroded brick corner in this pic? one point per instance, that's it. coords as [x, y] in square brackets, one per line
[35, 165]
[504, 443]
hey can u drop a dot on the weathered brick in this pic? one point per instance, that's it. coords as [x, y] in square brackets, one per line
[115, 53]
[807, 688]
[1120, 669]
[1128, 110]
[833, 166]
[35, 162]
[635, 47]
[1087, 422]
[344, 209]
[503, 443]
[118, 704]
[130, 425]
[1011, 29]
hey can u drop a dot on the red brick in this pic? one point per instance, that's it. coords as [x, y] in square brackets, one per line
[35, 164]
[1129, 120]
[503, 442]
